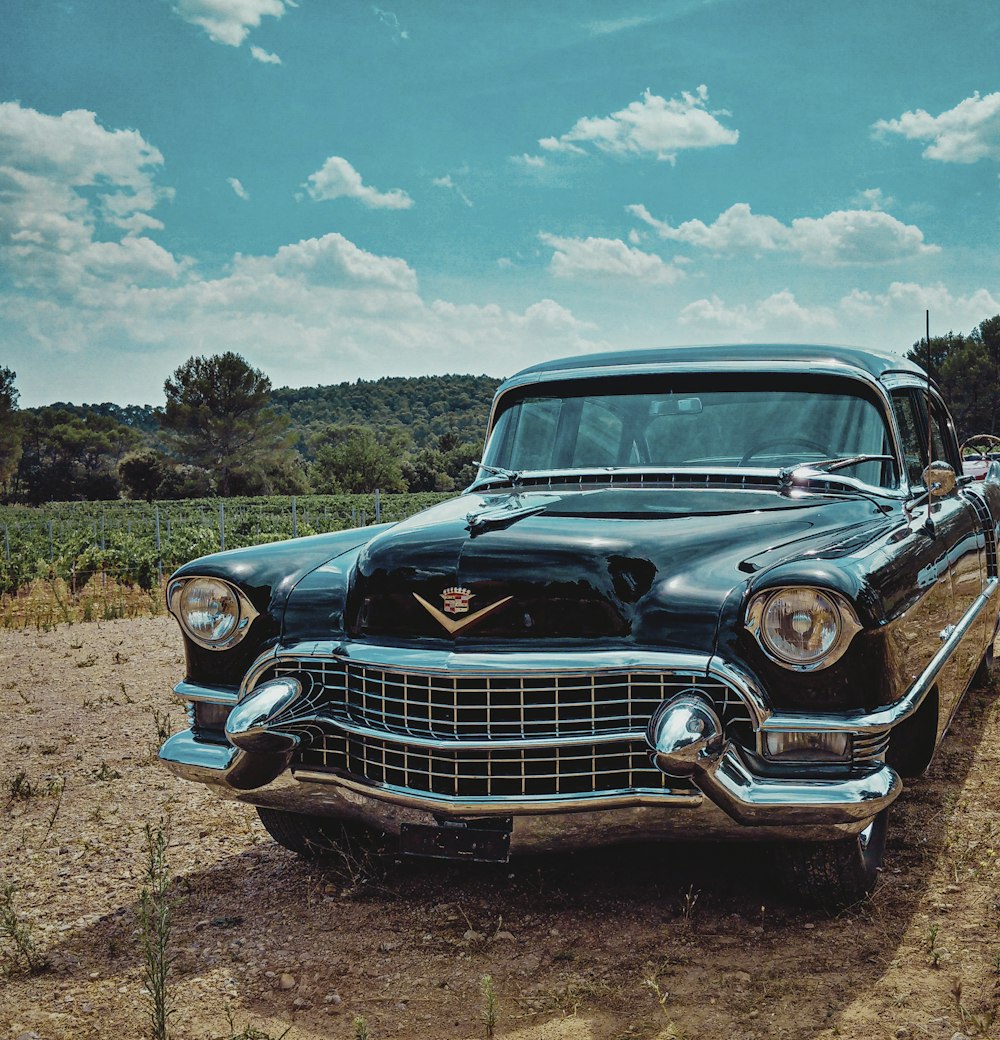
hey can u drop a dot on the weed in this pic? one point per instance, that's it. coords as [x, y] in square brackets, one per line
[20, 787]
[17, 934]
[361, 1029]
[491, 1007]
[106, 772]
[935, 953]
[48, 749]
[56, 786]
[154, 930]
[161, 722]
[249, 1032]
[662, 995]
[690, 900]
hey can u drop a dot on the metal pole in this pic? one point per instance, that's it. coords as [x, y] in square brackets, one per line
[6, 542]
[222, 525]
[159, 555]
[295, 517]
[51, 551]
[378, 506]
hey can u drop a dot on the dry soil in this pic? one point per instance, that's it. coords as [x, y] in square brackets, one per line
[644, 941]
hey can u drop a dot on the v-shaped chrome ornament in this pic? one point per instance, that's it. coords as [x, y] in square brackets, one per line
[453, 627]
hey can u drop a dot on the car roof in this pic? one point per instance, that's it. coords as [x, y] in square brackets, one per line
[875, 362]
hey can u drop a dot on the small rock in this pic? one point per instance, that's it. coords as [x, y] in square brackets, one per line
[959, 1036]
[902, 1033]
[286, 981]
[332, 998]
[504, 937]
[810, 926]
[473, 936]
[301, 1003]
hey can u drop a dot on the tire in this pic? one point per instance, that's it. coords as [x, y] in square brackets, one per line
[834, 875]
[987, 670]
[308, 836]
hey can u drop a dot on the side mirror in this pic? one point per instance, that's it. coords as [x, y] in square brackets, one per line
[939, 479]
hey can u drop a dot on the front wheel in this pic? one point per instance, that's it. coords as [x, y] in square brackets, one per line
[835, 874]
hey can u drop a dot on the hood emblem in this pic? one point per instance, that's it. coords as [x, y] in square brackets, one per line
[456, 600]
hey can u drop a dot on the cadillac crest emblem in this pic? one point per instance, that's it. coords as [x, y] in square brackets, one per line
[456, 600]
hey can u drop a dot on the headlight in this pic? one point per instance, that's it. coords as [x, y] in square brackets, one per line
[801, 627]
[215, 614]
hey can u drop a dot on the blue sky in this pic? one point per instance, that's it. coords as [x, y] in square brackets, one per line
[343, 190]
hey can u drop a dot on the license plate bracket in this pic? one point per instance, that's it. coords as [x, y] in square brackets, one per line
[482, 841]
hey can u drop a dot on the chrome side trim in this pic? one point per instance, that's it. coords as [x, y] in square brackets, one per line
[889, 714]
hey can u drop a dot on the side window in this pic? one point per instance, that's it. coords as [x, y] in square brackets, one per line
[908, 420]
[910, 407]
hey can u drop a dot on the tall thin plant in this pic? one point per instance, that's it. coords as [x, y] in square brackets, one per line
[154, 930]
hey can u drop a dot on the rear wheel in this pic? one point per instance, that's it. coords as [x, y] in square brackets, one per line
[836, 874]
[309, 836]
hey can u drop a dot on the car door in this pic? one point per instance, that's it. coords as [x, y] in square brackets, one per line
[948, 544]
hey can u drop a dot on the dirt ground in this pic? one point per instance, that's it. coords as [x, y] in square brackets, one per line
[644, 942]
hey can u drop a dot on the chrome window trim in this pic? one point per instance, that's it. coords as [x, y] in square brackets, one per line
[831, 367]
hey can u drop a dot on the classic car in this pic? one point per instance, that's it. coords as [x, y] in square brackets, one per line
[715, 592]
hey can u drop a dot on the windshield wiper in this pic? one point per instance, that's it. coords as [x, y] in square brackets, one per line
[513, 476]
[828, 466]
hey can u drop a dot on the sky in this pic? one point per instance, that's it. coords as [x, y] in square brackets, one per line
[337, 189]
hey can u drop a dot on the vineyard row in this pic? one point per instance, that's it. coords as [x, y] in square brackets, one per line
[137, 543]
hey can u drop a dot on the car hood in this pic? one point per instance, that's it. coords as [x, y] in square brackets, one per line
[642, 567]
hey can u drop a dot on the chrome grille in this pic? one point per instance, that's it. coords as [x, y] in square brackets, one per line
[531, 772]
[491, 707]
[869, 748]
[491, 734]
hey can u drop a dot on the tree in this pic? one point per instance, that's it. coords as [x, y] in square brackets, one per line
[142, 472]
[219, 418]
[10, 427]
[967, 368]
[354, 459]
[66, 457]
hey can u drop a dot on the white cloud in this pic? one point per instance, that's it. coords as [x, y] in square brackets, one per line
[535, 162]
[842, 237]
[907, 301]
[391, 22]
[779, 315]
[75, 201]
[337, 179]
[263, 56]
[604, 257]
[873, 198]
[237, 186]
[893, 318]
[964, 134]
[652, 126]
[449, 183]
[229, 21]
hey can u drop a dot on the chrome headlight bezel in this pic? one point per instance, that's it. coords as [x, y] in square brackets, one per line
[847, 627]
[243, 615]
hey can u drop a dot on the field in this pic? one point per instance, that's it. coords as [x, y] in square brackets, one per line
[86, 560]
[644, 942]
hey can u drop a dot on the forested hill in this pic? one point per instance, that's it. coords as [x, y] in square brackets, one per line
[425, 406]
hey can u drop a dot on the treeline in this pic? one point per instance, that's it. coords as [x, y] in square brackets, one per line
[223, 430]
[967, 368]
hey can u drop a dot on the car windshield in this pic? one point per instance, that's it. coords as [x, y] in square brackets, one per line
[686, 422]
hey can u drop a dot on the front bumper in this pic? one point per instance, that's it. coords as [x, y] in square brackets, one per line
[733, 804]
[373, 734]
